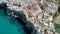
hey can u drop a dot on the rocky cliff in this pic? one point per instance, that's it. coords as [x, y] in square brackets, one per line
[38, 12]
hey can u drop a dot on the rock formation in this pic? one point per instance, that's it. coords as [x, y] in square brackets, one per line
[38, 12]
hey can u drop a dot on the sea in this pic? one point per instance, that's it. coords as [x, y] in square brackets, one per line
[9, 26]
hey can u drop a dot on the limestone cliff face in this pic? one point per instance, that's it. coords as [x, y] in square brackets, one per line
[38, 12]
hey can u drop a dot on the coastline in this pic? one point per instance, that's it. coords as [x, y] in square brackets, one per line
[9, 26]
[28, 31]
[36, 13]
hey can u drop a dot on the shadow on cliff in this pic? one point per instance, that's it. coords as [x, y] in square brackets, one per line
[21, 19]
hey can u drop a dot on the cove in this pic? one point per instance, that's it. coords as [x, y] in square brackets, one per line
[9, 26]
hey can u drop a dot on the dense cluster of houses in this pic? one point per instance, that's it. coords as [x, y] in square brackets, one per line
[39, 12]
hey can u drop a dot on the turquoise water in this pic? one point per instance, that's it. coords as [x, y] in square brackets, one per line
[8, 26]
